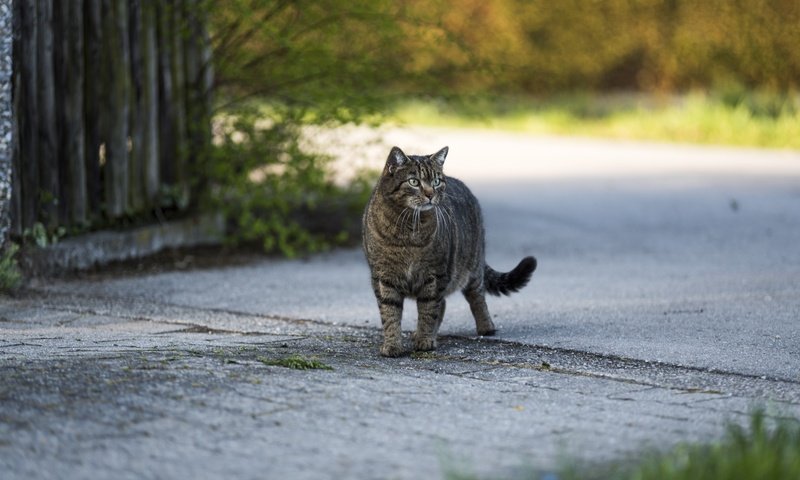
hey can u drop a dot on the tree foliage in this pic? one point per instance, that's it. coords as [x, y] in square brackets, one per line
[650, 45]
[326, 58]
[333, 54]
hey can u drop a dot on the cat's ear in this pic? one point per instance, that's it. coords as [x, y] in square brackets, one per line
[440, 156]
[396, 159]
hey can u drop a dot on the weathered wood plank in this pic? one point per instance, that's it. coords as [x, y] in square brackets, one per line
[49, 191]
[198, 87]
[93, 84]
[60, 57]
[177, 34]
[75, 131]
[166, 105]
[68, 22]
[27, 111]
[136, 166]
[117, 68]
[152, 174]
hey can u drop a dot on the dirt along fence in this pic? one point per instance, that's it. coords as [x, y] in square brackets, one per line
[111, 110]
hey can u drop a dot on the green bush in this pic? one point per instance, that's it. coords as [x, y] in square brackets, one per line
[274, 193]
[10, 275]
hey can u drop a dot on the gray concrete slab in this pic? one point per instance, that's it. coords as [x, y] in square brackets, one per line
[147, 399]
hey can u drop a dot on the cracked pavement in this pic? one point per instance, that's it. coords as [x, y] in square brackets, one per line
[89, 391]
[659, 313]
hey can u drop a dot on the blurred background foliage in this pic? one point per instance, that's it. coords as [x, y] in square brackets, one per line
[718, 71]
[308, 51]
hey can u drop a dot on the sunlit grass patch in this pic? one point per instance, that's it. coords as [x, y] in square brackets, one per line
[747, 119]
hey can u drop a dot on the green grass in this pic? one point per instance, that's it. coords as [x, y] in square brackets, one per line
[295, 362]
[764, 450]
[728, 118]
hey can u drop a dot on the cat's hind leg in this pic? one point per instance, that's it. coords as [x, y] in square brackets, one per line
[475, 293]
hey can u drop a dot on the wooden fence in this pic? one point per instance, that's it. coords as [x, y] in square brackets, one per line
[112, 109]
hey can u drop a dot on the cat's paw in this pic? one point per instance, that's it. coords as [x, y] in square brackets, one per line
[391, 349]
[485, 328]
[424, 344]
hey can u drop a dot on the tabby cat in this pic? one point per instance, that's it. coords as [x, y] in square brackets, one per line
[424, 239]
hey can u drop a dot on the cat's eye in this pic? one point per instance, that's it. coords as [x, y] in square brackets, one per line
[436, 182]
[413, 182]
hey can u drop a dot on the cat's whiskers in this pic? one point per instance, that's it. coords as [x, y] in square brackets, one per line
[436, 213]
[443, 212]
[403, 218]
[446, 215]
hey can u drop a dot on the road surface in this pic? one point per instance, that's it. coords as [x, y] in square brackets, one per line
[666, 303]
[678, 254]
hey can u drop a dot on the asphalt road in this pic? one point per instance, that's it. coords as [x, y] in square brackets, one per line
[677, 254]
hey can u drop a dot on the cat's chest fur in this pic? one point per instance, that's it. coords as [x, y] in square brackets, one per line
[414, 278]
[410, 267]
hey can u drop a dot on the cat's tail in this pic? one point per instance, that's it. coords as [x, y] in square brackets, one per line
[506, 283]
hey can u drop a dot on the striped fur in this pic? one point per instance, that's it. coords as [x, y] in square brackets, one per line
[424, 239]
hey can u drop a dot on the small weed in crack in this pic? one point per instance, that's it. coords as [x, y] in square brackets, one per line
[425, 356]
[296, 362]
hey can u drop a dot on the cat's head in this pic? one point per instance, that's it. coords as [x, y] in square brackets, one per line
[414, 181]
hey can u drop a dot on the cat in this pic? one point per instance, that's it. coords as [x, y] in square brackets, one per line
[423, 238]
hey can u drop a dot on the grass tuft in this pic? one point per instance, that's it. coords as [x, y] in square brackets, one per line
[416, 355]
[295, 362]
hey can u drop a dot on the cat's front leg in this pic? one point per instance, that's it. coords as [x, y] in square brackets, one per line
[390, 304]
[431, 312]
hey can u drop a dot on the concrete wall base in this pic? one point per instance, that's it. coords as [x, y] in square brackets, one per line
[100, 248]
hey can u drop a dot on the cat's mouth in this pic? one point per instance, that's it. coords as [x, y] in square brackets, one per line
[426, 207]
